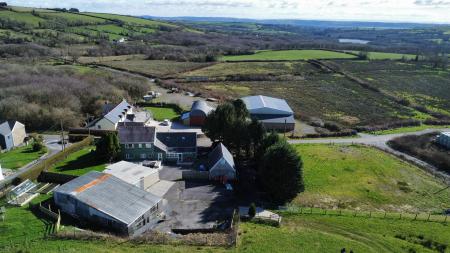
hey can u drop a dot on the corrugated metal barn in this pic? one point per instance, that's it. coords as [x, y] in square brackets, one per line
[109, 202]
[274, 113]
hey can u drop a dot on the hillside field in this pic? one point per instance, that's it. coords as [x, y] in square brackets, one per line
[363, 178]
[288, 55]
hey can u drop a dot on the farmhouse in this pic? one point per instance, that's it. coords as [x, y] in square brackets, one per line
[221, 164]
[115, 114]
[178, 147]
[444, 139]
[109, 202]
[139, 142]
[137, 175]
[12, 134]
[197, 116]
[274, 113]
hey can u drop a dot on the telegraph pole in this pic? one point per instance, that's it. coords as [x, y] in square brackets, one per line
[62, 137]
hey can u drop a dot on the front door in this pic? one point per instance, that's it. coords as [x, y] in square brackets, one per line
[180, 158]
[159, 156]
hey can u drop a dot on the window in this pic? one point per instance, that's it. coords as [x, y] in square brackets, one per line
[128, 156]
[143, 156]
[128, 145]
[172, 155]
[148, 145]
[150, 156]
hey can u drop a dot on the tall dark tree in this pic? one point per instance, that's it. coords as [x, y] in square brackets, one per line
[256, 133]
[240, 109]
[282, 179]
[108, 147]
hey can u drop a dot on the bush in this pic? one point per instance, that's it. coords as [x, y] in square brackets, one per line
[37, 146]
[252, 210]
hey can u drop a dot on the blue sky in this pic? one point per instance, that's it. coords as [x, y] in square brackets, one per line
[430, 11]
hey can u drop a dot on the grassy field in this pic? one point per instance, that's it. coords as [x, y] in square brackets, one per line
[131, 20]
[288, 55]
[407, 129]
[19, 157]
[94, 25]
[358, 177]
[318, 233]
[161, 114]
[155, 67]
[79, 163]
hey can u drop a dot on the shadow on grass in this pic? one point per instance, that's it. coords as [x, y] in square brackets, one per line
[84, 161]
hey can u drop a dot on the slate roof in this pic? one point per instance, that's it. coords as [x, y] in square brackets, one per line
[219, 152]
[110, 195]
[200, 106]
[258, 102]
[118, 112]
[176, 140]
[7, 126]
[135, 132]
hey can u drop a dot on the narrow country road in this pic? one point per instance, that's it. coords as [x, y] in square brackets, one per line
[380, 142]
[53, 146]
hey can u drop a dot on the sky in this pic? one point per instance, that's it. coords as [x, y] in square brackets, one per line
[426, 11]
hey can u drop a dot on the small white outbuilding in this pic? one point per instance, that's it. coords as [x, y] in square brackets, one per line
[137, 175]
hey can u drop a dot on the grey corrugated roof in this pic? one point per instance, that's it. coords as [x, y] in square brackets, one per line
[178, 139]
[110, 195]
[258, 102]
[274, 119]
[136, 133]
[219, 152]
[201, 106]
[7, 126]
[119, 110]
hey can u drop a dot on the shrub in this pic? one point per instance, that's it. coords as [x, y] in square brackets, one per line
[252, 210]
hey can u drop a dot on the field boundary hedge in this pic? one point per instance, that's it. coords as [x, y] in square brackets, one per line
[34, 172]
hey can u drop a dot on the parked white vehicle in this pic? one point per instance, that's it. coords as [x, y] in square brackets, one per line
[166, 122]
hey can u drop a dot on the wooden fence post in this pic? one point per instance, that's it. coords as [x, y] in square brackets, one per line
[356, 213]
[340, 212]
[429, 215]
[401, 216]
[301, 210]
[385, 213]
[311, 209]
[415, 217]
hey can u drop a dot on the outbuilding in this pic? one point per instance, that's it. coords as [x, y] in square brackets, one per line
[197, 116]
[221, 164]
[275, 114]
[104, 200]
[135, 174]
[12, 134]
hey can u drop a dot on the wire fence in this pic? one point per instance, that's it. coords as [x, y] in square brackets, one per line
[422, 216]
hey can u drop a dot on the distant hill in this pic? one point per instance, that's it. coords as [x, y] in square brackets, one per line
[51, 26]
[304, 23]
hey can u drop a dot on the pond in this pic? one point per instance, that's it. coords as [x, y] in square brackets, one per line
[354, 41]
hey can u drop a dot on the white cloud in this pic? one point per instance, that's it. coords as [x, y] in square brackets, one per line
[435, 11]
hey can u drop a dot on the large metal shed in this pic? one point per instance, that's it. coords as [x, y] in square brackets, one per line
[109, 202]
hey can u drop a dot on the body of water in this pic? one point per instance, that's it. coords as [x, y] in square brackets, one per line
[354, 41]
